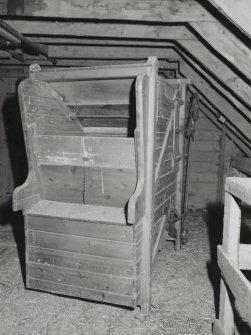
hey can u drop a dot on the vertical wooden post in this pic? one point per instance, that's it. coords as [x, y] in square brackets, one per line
[180, 188]
[221, 170]
[231, 239]
[146, 256]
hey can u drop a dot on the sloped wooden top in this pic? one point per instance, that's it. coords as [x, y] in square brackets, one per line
[81, 212]
[239, 187]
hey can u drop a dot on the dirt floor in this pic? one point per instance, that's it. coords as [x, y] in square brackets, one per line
[184, 290]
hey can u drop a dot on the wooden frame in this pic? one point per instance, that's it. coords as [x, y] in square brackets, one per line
[97, 200]
[232, 257]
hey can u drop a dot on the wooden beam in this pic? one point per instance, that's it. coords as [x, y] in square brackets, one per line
[213, 115]
[216, 100]
[100, 30]
[218, 70]
[216, 84]
[148, 10]
[110, 52]
[12, 63]
[237, 12]
[230, 47]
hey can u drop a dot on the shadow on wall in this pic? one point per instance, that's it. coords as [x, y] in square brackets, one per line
[19, 171]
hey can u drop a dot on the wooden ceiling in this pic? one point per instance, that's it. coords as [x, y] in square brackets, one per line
[207, 41]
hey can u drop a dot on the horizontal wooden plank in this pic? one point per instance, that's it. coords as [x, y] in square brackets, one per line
[206, 146]
[83, 245]
[111, 52]
[75, 291]
[205, 156]
[81, 228]
[167, 11]
[105, 122]
[81, 212]
[203, 187]
[52, 122]
[96, 92]
[204, 167]
[77, 261]
[106, 131]
[94, 281]
[204, 135]
[100, 186]
[86, 151]
[207, 176]
[115, 111]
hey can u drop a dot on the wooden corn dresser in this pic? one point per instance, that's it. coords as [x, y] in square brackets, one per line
[104, 147]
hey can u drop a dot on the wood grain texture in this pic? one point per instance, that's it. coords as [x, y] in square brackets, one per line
[103, 296]
[85, 151]
[78, 212]
[168, 11]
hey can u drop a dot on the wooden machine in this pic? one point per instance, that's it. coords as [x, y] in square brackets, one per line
[105, 153]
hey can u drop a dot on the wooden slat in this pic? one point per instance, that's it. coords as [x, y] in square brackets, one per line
[101, 186]
[77, 261]
[104, 122]
[227, 45]
[201, 135]
[214, 65]
[86, 151]
[217, 101]
[111, 52]
[93, 281]
[83, 245]
[71, 211]
[96, 92]
[83, 228]
[81, 292]
[205, 156]
[204, 167]
[115, 111]
[93, 33]
[203, 176]
[206, 146]
[167, 11]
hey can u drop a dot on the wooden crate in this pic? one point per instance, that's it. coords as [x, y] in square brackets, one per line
[102, 144]
[232, 258]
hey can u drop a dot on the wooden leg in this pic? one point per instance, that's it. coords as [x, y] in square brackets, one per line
[231, 238]
[226, 315]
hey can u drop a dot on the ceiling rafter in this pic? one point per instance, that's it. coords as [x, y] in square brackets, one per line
[218, 70]
[227, 44]
[139, 10]
[216, 85]
[215, 99]
[125, 30]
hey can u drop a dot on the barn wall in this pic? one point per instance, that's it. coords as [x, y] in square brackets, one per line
[210, 158]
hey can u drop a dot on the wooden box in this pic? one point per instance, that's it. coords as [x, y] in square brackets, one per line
[102, 146]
